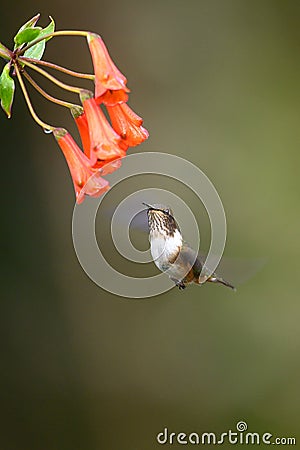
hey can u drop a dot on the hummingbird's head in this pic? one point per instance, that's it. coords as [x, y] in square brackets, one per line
[161, 220]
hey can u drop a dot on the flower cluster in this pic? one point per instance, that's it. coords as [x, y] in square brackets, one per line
[104, 141]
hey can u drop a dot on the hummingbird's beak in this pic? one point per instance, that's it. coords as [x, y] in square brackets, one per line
[148, 206]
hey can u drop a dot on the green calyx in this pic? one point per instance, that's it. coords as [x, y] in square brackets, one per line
[59, 133]
[91, 36]
[76, 111]
[85, 95]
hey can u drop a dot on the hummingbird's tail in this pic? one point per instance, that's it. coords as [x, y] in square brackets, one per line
[215, 279]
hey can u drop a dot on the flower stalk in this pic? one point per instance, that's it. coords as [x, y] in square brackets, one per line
[54, 80]
[42, 124]
[50, 65]
[4, 52]
[51, 35]
[45, 94]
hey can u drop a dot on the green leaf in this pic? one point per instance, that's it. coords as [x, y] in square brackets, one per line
[27, 35]
[37, 51]
[49, 29]
[7, 89]
[29, 24]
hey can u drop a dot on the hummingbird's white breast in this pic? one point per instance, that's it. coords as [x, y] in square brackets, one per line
[165, 248]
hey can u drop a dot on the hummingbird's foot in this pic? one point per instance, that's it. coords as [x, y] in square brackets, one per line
[179, 284]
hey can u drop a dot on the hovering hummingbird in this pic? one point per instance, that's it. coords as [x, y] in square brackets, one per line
[171, 254]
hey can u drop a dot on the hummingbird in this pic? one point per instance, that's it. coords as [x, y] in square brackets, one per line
[171, 254]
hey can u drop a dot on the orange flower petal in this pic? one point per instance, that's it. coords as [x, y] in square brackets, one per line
[107, 75]
[112, 98]
[94, 187]
[80, 167]
[104, 141]
[83, 129]
[127, 124]
[108, 166]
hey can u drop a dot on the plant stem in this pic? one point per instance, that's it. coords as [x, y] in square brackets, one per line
[60, 68]
[54, 80]
[4, 52]
[50, 35]
[42, 124]
[46, 95]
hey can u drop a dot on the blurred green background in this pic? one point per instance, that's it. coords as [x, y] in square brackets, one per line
[217, 82]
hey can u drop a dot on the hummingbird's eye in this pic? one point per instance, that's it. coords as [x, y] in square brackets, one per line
[166, 211]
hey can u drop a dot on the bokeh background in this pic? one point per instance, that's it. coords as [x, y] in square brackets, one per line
[217, 82]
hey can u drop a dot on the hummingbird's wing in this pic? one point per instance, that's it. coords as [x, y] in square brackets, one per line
[238, 270]
[190, 258]
[140, 222]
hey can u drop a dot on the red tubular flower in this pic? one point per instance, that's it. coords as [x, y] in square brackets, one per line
[80, 167]
[106, 144]
[127, 124]
[107, 75]
[83, 128]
